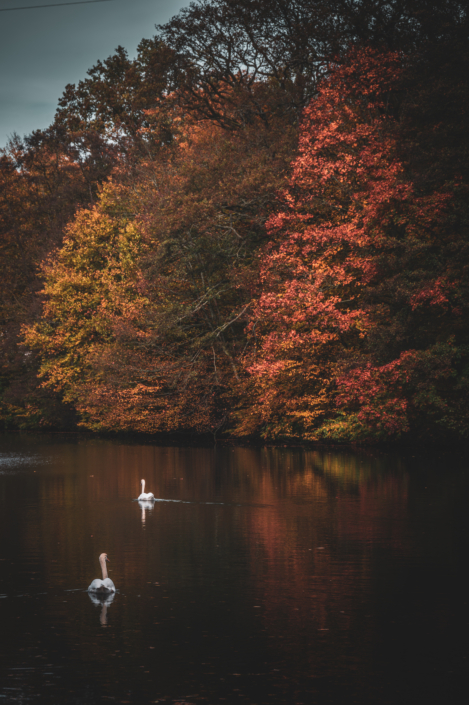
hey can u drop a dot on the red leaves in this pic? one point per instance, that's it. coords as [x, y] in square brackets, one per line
[376, 394]
[356, 320]
[342, 176]
[343, 255]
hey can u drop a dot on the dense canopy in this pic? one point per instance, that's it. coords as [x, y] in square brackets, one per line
[258, 227]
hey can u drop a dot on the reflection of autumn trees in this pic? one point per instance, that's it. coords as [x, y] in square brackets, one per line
[282, 503]
[312, 545]
[351, 511]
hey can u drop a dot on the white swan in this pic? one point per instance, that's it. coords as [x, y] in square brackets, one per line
[104, 586]
[145, 495]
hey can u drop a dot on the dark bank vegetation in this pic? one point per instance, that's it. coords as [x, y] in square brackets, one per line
[256, 228]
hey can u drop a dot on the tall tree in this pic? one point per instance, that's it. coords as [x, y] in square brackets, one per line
[364, 279]
[162, 352]
[227, 48]
[43, 182]
[113, 102]
[367, 264]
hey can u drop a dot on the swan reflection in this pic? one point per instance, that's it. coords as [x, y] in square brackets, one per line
[144, 505]
[105, 601]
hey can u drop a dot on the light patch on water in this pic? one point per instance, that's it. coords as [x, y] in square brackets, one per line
[13, 461]
[149, 502]
[75, 590]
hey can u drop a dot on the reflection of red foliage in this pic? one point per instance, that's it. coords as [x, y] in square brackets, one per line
[312, 559]
[378, 516]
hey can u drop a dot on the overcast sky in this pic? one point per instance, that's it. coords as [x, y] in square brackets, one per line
[43, 49]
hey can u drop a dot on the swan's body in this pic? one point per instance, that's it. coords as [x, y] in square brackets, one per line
[104, 586]
[145, 495]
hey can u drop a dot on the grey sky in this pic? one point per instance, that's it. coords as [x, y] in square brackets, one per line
[41, 50]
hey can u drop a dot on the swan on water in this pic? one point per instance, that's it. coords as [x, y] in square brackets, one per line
[104, 586]
[145, 495]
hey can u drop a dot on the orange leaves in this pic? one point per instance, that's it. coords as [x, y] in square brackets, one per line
[349, 203]
[148, 297]
[364, 275]
[88, 282]
[339, 181]
[354, 311]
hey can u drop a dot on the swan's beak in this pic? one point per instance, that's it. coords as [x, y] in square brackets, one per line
[107, 559]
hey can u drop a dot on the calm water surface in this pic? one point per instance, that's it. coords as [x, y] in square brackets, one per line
[272, 575]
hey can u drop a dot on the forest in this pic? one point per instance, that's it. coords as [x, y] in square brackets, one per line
[256, 228]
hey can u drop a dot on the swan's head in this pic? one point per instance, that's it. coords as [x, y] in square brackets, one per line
[103, 557]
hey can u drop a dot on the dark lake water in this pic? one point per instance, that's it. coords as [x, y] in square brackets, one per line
[262, 575]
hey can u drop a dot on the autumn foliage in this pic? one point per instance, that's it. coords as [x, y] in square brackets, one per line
[362, 306]
[262, 232]
[147, 300]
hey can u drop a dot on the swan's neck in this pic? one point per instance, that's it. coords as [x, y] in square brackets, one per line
[143, 486]
[103, 567]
